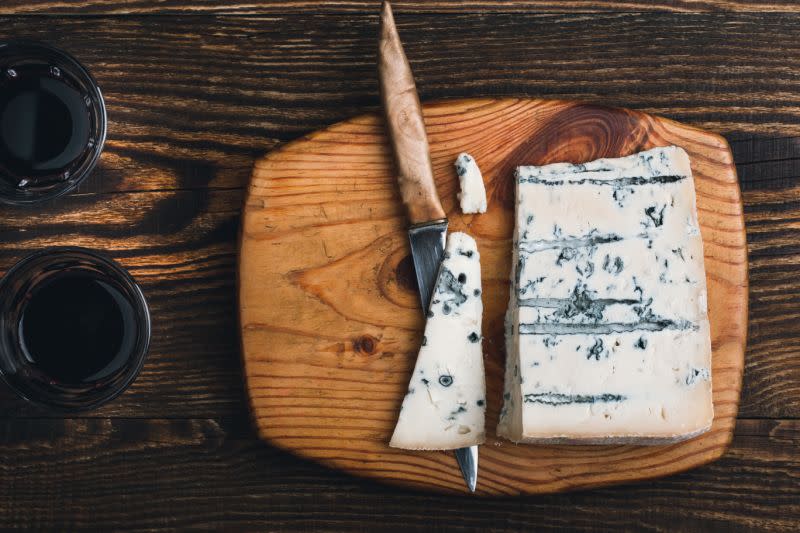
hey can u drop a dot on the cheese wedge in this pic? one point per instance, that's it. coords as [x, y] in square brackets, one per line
[445, 405]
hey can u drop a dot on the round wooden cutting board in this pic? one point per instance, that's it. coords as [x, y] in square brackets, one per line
[330, 317]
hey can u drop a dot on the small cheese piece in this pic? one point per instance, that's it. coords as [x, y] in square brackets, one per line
[445, 405]
[473, 192]
[607, 332]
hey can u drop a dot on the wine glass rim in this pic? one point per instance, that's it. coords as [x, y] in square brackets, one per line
[41, 49]
[55, 254]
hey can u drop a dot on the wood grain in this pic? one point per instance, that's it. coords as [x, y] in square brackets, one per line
[328, 349]
[228, 89]
[260, 80]
[112, 474]
[84, 7]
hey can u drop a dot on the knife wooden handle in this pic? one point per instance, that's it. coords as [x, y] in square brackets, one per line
[406, 126]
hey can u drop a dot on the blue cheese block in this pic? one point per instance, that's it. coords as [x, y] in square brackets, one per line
[607, 333]
[445, 405]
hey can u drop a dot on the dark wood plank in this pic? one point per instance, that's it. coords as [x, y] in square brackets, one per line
[192, 100]
[111, 474]
[769, 173]
[83, 7]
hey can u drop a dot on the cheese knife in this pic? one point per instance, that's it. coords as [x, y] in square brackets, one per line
[406, 129]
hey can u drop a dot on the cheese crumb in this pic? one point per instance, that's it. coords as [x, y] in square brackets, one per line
[473, 192]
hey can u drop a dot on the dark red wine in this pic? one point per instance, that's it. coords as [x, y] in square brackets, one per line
[44, 124]
[77, 329]
[74, 328]
[52, 122]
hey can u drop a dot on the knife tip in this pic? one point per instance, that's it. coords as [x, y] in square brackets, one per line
[468, 463]
[471, 485]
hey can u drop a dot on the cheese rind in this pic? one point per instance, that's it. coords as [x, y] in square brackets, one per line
[607, 329]
[473, 191]
[445, 405]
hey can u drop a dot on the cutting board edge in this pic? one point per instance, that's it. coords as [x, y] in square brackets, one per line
[711, 455]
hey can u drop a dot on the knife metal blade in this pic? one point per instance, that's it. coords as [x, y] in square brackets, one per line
[406, 129]
[427, 251]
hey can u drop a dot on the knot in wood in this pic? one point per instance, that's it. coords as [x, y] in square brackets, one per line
[365, 344]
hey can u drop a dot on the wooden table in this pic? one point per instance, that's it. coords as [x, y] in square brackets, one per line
[196, 89]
